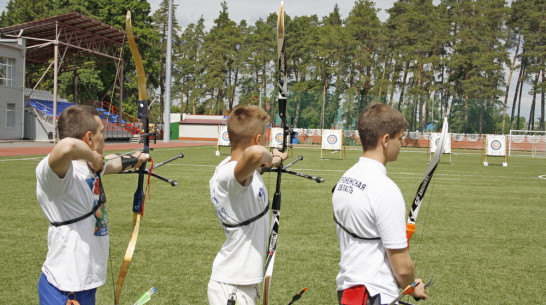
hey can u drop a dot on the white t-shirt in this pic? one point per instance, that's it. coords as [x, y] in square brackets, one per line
[77, 253]
[241, 258]
[369, 204]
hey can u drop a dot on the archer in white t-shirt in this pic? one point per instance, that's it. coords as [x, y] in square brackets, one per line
[239, 198]
[70, 193]
[369, 211]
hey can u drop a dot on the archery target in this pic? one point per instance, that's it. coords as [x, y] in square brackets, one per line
[277, 135]
[331, 139]
[435, 142]
[223, 136]
[496, 145]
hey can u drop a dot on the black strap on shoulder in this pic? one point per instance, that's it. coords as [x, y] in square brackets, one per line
[247, 222]
[63, 223]
[102, 199]
[353, 234]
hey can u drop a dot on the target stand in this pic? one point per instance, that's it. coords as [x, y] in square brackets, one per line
[495, 146]
[332, 139]
[435, 140]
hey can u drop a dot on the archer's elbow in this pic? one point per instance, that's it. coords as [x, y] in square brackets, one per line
[405, 270]
[402, 266]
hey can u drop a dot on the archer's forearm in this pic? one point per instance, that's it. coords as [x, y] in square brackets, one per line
[402, 266]
[117, 163]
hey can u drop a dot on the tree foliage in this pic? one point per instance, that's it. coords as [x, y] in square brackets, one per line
[429, 59]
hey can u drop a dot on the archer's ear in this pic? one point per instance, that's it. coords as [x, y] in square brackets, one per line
[88, 139]
[256, 139]
[384, 139]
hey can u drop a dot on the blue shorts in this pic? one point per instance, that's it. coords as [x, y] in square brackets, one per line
[50, 295]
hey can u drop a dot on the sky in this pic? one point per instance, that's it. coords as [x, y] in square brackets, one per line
[252, 10]
[189, 11]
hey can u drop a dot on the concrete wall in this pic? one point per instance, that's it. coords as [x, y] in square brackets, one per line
[36, 129]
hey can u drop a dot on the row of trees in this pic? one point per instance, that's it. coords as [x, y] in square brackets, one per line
[427, 60]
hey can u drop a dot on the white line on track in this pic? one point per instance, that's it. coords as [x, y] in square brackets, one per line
[25, 159]
[196, 165]
[392, 173]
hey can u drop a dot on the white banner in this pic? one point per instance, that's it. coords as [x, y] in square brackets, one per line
[435, 140]
[332, 139]
[496, 145]
[223, 137]
[276, 135]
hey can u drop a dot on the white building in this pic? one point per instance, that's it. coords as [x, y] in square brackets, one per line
[12, 103]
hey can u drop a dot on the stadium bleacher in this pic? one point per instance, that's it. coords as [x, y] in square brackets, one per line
[42, 101]
[47, 106]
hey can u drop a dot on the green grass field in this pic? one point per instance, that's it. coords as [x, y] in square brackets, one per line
[480, 230]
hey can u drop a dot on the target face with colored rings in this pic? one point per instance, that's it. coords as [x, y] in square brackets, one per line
[279, 137]
[225, 136]
[496, 145]
[437, 142]
[332, 139]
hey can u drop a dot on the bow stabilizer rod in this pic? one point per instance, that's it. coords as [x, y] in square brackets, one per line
[302, 175]
[149, 170]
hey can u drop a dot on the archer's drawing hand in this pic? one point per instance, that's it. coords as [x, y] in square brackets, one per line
[97, 163]
[142, 157]
[278, 157]
[419, 292]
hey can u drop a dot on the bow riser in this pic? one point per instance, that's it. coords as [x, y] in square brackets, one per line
[139, 193]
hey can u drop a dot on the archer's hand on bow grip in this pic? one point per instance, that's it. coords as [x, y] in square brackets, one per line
[277, 157]
[142, 158]
[418, 292]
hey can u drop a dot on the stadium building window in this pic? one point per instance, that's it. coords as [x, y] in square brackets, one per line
[7, 71]
[10, 113]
